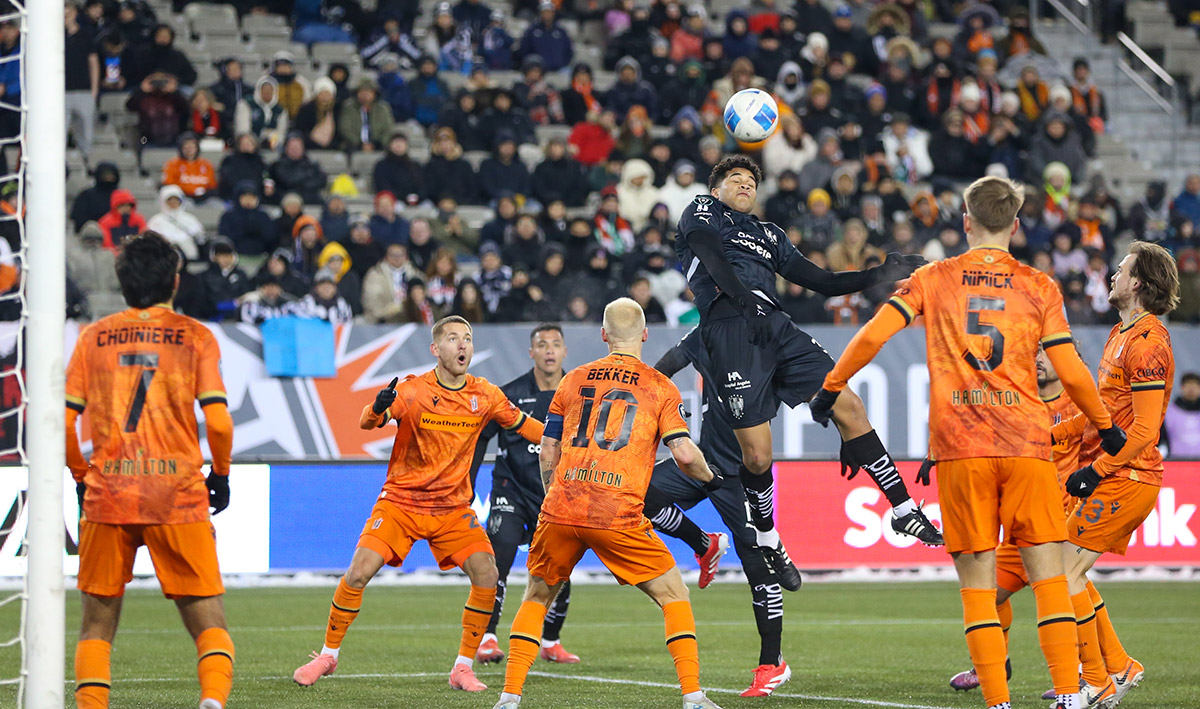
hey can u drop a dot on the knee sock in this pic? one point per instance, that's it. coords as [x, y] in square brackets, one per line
[523, 645]
[760, 491]
[1089, 640]
[985, 643]
[214, 650]
[475, 618]
[1115, 657]
[498, 608]
[1056, 632]
[93, 677]
[342, 612]
[1004, 610]
[671, 521]
[868, 451]
[556, 615]
[768, 616]
[681, 642]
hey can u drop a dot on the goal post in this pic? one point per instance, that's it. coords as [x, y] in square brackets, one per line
[44, 123]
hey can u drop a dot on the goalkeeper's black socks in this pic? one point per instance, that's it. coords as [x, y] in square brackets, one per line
[768, 616]
[868, 452]
[671, 521]
[760, 491]
[556, 614]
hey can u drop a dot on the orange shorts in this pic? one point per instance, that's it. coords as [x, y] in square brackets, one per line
[632, 555]
[1106, 520]
[978, 496]
[391, 532]
[184, 555]
[1010, 569]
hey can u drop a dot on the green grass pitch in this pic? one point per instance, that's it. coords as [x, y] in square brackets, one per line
[850, 645]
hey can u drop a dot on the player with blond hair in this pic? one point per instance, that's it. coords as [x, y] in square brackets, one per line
[985, 317]
[602, 432]
[439, 416]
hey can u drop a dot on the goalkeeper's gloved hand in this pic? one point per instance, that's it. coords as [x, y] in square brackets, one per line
[899, 266]
[1112, 440]
[1083, 482]
[717, 480]
[80, 490]
[218, 492]
[821, 406]
[758, 320]
[849, 467]
[385, 397]
[923, 473]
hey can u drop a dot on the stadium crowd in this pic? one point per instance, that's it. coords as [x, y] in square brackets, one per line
[882, 124]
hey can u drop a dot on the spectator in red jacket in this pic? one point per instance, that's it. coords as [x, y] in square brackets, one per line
[122, 221]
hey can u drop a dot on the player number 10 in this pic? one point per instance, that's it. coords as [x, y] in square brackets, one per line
[588, 394]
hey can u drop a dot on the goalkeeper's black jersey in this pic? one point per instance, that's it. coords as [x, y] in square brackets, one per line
[517, 458]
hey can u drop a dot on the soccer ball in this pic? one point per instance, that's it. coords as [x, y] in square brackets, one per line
[751, 115]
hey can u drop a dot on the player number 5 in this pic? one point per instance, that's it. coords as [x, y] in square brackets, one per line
[976, 305]
[147, 364]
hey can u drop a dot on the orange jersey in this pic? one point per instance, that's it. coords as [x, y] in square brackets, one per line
[614, 412]
[1137, 358]
[138, 374]
[1066, 453]
[985, 315]
[437, 428]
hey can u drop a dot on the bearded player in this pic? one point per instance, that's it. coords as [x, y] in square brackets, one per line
[1120, 488]
[760, 357]
[439, 416]
[985, 317]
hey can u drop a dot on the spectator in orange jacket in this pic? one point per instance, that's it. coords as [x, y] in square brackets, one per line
[191, 173]
[122, 220]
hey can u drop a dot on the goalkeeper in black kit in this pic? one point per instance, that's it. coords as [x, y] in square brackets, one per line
[760, 358]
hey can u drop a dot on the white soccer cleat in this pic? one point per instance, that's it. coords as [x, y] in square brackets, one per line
[1127, 679]
[508, 703]
[702, 703]
[210, 704]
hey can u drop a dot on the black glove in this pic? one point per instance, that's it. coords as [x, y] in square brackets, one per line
[80, 489]
[385, 397]
[218, 492]
[923, 473]
[849, 467]
[821, 406]
[717, 481]
[1112, 440]
[756, 314]
[1083, 481]
[899, 266]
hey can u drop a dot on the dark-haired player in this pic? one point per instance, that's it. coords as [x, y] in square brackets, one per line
[138, 375]
[760, 357]
[517, 490]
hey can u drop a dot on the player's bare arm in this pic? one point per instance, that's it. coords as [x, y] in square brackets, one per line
[690, 460]
[548, 459]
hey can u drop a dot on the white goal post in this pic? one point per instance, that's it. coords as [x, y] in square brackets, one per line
[44, 122]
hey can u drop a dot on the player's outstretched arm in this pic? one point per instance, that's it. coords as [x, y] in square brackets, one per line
[1078, 382]
[799, 270]
[705, 242]
[861, 350]
[691, 461]
[531, 429]
[376, 414]
[549, 456]
[673, 361]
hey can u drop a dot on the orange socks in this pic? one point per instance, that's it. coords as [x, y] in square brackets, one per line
[476, 616]
[985, 642]
[343, 611]
[1056, 632]
[681, 642]
[1115, 657]
[93, 678]
[524, 640]
[1004, 610]
[214, 648]
[1089, 640]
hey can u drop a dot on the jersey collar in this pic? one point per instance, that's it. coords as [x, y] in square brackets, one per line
[1135, 321]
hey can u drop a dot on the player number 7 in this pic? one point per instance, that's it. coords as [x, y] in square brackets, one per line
[147, 362]
[975, 307]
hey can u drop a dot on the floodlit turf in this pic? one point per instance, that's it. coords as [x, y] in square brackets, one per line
[892, 645]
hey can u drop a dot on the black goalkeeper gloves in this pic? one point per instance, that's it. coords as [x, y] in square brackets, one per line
[1112, 440]
[80, 490]
[923, 472]
[385, 397]
[899, 266]
[1083, 482]
[758, 321]
[821, 406]
[849, 467]
[717, 481]
[218, 492]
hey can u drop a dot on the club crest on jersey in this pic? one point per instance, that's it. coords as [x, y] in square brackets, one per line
[737, 406]
[474, 403]
[703, 201]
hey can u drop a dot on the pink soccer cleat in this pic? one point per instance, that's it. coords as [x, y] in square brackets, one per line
[489, 651]
[964, 681]
[558, 653]
[319, 666]
[463, 677]
[718, 543]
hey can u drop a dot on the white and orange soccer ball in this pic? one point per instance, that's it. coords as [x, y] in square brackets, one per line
[751, 115]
